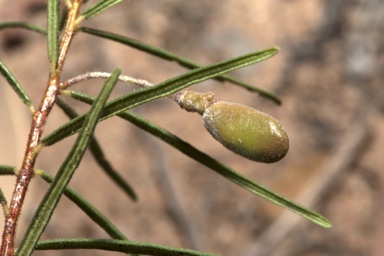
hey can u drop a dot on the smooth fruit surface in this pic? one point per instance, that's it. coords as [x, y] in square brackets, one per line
[247, 131]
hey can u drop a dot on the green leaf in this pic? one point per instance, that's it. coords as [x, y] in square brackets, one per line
[116, 246]
[88, 209]
[99, 156]
[53, 31]
[64, 18]
[99, 8]
[223, 170]
[3, 200]
[64, 175]
[217, 166]
[162, 89]
[4, 203]
[16, 86]
[180, 60]
[25, 25]
[83, 204]
[7, 170]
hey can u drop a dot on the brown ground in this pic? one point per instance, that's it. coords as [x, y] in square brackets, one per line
[328, 73]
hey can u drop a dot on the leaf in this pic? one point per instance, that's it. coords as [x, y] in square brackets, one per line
[7, 170]
[53, 31]
[223, 170]
[162, 89]
[217, 166]
[64, 18]
[99, 156]
[117, 246]
[25, 25]
[64, 175]
[4, 203]
[83, 204]
[16, 86]
[89, 209]
[173, 57]
[99, 8]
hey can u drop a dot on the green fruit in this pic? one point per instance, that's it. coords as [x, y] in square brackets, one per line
[246, 131]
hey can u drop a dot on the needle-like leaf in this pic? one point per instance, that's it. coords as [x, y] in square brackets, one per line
[223, 170]
[24, 25]
[53, 31]
[7, 170]
[64, 175]
[161, 53]
[83, 204]
[99, 8]
[4, 204]
[88, 209]
[16, 86]
[217, 166]
[160, 90]
[117, 246]
[99, 156]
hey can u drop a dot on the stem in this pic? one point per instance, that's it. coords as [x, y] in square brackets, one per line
[103, 75]
[39, 119]
[188, 100]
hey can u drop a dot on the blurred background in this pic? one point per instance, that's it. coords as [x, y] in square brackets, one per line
[329, 74]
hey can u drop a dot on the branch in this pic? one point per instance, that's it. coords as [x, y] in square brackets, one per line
[33, 145]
